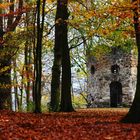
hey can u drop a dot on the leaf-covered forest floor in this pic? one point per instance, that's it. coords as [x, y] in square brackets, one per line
[88, 124]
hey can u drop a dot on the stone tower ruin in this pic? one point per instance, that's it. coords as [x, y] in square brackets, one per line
[112, 79]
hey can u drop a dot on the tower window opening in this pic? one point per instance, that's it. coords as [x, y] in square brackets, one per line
[115, 69]
[92, 69]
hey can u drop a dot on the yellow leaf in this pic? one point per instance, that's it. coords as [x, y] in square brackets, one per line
[5, 5]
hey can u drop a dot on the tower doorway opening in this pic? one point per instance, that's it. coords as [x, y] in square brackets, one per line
[115, 94]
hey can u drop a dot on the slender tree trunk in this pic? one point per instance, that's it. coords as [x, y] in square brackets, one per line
[38, 67]
[27, 84]
[15, 82]
[56, 69]
[21, 94]
[133, 115]
[66, 102]
[34, 54]
[38, 60]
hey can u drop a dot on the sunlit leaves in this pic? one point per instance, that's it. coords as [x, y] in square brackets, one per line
[50, 1]
[103, 17]
[5, 5]
[4, 69]
[100, 50]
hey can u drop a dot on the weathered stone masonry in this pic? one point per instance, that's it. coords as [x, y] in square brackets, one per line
[112, 79]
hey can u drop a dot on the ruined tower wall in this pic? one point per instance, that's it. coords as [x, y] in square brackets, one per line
[100, 77]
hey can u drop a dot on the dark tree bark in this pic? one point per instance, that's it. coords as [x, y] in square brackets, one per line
[66, 102]
[5, 81]
[133, 116]
[61, 57]
[56, 69]
[5, 60]
[38, 58]
[27, 69]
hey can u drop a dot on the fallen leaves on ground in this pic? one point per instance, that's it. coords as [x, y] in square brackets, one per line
[87, 124]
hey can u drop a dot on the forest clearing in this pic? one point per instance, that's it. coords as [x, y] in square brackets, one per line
[69, 70]
[84, 124]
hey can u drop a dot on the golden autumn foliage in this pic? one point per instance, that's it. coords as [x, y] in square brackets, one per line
[102, 17]
[5, 5]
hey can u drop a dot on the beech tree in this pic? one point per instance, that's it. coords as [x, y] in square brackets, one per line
[133, 116]
[38, 55]
[66, 102]
[56, 68]
[61, 57]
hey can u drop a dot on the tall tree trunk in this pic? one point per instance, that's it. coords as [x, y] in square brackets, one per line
[133, 116]
[56, 69]
[28, 57]
[66, 102]
[38, 60]
[27, 71]
[34, 53]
